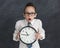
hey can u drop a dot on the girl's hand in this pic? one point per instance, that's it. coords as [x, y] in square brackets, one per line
[18, 35]
[38, 36]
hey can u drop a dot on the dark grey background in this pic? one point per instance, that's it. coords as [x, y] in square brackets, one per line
[48, 11]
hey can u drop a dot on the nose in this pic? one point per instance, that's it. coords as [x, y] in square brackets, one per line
[29, 15]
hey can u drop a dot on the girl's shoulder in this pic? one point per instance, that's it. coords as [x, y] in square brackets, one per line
[20, 21]
[38, 20]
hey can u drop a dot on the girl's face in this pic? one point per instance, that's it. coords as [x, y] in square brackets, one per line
[30, 13]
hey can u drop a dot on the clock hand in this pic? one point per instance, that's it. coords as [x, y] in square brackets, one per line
[24, 34]
[27, 34]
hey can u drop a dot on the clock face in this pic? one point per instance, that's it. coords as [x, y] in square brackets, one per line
[27, 35]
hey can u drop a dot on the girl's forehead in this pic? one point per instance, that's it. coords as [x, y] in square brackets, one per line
[30, 8]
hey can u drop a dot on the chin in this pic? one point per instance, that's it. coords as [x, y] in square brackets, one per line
[29, 20]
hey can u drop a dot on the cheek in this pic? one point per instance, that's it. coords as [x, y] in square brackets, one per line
[33, 17]
[26, 17]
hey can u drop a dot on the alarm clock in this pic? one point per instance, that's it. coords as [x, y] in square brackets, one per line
[27, 35]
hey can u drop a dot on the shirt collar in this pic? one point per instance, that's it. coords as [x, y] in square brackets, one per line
[31, 21]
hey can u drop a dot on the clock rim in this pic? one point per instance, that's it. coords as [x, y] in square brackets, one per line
[23, 41]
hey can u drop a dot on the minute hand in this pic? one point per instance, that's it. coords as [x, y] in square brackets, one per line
[27, 34]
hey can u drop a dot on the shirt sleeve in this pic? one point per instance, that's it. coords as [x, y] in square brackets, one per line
[41, 30]
[17, 28]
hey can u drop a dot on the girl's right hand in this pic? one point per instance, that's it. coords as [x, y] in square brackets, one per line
[18, 35]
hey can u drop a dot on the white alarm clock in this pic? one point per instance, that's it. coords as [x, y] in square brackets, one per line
[27, 35]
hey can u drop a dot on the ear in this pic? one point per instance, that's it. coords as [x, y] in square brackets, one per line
[23, 15]
[35, 14]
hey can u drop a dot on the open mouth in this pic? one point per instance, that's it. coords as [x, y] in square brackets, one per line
[29, 19]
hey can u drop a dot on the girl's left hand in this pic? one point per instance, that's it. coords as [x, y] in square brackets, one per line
[38, 36]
